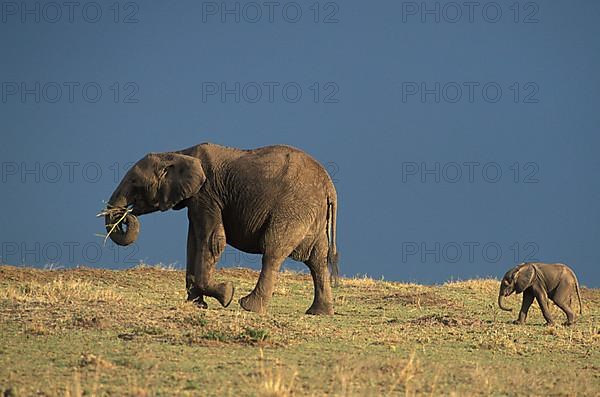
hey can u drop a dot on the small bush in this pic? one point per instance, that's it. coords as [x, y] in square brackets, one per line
[215, 335]
[255, 335]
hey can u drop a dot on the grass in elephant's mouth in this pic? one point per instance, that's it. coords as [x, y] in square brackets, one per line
[101, 332]
[114, 212]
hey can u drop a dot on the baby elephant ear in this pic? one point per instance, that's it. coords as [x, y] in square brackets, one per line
[524, 277]
[180, 178]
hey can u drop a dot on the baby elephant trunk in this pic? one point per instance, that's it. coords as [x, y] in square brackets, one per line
[501, 303]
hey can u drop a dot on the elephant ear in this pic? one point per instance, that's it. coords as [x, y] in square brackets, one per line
[180, 177]
[524, 277]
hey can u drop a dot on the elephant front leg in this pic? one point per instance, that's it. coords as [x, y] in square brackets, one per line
[527, 301]
[204, 252]
[193, 293]
[542, 300]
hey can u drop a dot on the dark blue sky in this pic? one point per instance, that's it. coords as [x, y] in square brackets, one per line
[458, 147]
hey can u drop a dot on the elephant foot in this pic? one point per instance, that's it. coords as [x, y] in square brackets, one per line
[320, 309]
[197, 298]
[200, 303]
[518, 322]
[253, 303]
[569, 323]
[224, 293]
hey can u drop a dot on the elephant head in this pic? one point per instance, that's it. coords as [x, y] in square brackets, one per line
[516, 280]
[159, 181]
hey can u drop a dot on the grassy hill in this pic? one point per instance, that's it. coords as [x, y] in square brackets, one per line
[101, 332]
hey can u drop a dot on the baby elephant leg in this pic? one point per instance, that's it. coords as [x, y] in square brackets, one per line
[562, 298]
[542, 300]
[527, 301]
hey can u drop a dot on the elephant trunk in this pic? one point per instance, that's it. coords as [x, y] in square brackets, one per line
[501, 303]
[122, 231]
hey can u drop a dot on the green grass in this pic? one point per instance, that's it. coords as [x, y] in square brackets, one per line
[99, 332]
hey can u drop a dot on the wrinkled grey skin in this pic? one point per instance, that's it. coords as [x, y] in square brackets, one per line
[276, 201]
[541, 281]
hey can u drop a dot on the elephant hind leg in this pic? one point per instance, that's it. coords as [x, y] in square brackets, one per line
[280, 240]
[317, 263]
[568, 311]
[258, 300]
[562, 299]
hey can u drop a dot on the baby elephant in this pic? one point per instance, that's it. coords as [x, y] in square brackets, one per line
[541, 281]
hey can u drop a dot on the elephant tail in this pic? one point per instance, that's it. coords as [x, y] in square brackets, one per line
[578, 293]
[332, 254]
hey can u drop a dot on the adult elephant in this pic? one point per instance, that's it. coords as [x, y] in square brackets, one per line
[276, 201]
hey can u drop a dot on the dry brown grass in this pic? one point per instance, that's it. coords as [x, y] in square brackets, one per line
[481, 285]
[273, 380]
[96, 332]
[59, 291]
